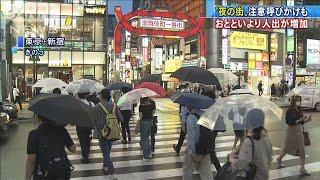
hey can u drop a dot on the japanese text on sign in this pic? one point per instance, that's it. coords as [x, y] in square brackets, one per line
[163, 24]
[247, 40]
[259, 23]
[262, 11]
[37, 41]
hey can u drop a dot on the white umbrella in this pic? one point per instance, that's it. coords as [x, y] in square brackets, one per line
[84, 86]
[47, 90]
[136, 94]
[224, 76]
[50, 83]
[225, 111]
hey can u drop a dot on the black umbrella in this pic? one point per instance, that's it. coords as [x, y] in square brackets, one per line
[196, 74]
[63, 109]
[118, 85]
[150, 78]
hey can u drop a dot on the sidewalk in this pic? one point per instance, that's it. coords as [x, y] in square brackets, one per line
[25, 113]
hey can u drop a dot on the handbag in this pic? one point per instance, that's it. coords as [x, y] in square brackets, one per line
[306, 137]
[137, 128]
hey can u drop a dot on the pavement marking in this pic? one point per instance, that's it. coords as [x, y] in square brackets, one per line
[171, 142]
[156, 161]
[157, 151]
[273, 174]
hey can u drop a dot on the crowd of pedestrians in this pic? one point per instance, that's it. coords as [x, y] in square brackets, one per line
[47, 157]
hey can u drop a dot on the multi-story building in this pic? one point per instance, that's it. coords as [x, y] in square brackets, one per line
[81, 25]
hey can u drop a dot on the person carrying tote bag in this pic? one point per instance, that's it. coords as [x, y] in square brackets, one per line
[296, 138]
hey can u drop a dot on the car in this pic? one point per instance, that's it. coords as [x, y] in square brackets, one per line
[4, 121]
[310, 96]
[9, 108]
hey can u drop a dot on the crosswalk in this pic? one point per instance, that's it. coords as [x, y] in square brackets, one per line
[127, 158]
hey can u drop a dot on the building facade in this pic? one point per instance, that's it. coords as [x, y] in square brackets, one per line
[80, 24]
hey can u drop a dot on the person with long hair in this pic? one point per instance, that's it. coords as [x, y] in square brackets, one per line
[258, 149]
[294, 142]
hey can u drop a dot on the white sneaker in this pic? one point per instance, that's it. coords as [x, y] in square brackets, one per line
[150, 156]
[152, 152]
[146, 160]
[113, 177]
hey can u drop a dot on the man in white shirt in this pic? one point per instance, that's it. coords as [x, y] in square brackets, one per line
[16, 96]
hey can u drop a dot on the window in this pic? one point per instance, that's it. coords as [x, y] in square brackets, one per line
[88, 30]
[77, 57]
[77, 72]
[99, 34]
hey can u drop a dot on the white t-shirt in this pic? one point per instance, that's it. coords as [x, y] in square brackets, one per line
[16, 92]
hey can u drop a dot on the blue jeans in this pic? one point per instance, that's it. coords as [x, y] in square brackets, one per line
[105, 146]
[145, 138]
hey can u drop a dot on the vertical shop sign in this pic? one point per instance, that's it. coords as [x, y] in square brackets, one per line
[225, 41]
[149, 50]
[158, 58]
[274, 47]
[144, 55]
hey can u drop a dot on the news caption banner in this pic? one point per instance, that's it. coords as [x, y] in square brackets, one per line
[262, 17]
[33, 45]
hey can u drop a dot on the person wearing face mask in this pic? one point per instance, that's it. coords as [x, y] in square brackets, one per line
[294, 142]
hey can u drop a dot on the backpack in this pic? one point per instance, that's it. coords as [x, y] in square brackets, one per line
[111, 129]
[206, 140]
[53, 162]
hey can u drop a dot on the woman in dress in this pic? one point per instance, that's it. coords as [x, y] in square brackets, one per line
[294, 142]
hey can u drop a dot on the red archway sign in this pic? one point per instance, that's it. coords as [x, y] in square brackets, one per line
[124, 23]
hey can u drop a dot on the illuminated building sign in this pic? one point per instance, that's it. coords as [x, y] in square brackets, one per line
[313, 52]
[55, 21]
[95, 10]
[245, 40]
[161, 24]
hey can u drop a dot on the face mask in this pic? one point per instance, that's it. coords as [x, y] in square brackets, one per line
[298, 103]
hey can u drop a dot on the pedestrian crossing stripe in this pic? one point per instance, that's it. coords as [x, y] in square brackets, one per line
[127, 158]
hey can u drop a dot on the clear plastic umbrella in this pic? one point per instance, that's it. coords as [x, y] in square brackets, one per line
[47, 90]
[84, 86]
[50, 83]
[230, 112]
[136, 94]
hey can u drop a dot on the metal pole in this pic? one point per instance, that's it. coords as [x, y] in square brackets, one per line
[106, 28]
[294, 58]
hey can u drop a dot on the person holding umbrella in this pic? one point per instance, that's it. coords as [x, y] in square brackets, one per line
[256, 149]
[192, 160]
[84, 133]
[126, 111]
[47, 158]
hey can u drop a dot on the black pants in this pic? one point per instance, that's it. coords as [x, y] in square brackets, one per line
[260, 92]
[153, 140]
[213, 156]
[18, 99]
[180, 141]
[126, 114]
[84, 135]
[214, 160]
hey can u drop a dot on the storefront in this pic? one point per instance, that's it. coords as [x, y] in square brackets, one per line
[81, 26]
[253, 56]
